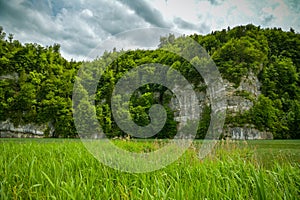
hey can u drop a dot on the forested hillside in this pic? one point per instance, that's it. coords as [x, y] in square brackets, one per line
[36, 85]
[37, 82]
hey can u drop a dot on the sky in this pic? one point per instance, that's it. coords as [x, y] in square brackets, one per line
[79, 26]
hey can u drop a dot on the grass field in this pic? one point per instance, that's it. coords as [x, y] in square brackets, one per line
[64, 169]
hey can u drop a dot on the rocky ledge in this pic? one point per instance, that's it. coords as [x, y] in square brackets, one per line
[8, 130]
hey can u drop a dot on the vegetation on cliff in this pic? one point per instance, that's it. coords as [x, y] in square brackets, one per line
[36, 83]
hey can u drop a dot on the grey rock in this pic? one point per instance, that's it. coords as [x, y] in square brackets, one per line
[7, 129]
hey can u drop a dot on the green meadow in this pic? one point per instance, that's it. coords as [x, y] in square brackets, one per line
[64, 169]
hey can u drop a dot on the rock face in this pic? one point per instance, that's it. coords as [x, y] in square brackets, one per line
[239, 100]
[189, 100]
[248, 133]
[12, 76]
[8, 130]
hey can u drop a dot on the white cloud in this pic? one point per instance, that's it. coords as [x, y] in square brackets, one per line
[80, 25]
[87, 13]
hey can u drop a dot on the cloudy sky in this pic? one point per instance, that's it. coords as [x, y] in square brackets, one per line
[81, 25]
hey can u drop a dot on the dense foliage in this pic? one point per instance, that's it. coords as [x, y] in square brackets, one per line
[36, 85]
[37, 82]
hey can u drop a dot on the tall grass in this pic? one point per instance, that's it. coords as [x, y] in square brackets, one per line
[64, 169]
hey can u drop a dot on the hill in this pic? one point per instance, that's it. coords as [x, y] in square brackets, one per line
[260, 69]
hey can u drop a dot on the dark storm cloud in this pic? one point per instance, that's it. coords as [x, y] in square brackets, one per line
[52, 7]
[115, 19]
[9, 14]
[145, 11]
[77, 27]
[268, 19]
[182, 24]
[214, 2]
[294, 5]
[81, 25]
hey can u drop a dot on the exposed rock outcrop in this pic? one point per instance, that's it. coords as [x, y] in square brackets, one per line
[239, 100]
[12, 76]
[248, 133]
[8, 130]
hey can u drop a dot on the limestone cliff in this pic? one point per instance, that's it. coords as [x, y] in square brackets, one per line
[239, 100]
